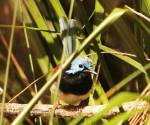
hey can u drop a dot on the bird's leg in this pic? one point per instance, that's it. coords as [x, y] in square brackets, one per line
[84, 103]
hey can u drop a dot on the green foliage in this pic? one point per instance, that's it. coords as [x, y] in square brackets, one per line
[114, 37]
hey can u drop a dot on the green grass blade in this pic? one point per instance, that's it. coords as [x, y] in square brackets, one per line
[146, 6]
[8, 61]
[71, 8]
[28, 28]
[126, 59]
[101, 93]
[115, 101]
[58, 8]
[76, 120]
[126, 80]
[118, 120]
[40, 22]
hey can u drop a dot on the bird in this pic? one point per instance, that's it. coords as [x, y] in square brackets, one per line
[76, 82]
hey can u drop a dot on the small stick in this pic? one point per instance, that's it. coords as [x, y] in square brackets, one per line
[44, 110]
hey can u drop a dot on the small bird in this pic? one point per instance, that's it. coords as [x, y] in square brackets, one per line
[76, 82]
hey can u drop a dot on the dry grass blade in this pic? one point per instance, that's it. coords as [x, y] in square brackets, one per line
[142, 117]
[138, 13]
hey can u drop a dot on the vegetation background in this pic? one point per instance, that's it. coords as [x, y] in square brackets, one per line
[115, 37]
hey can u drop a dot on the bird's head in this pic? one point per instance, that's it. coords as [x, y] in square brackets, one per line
[81, 64]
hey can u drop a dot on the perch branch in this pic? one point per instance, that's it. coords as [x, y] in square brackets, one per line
[44, 110]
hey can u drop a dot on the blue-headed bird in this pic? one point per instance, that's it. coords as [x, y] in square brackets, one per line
[76, 82]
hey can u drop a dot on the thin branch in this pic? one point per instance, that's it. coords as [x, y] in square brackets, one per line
[44, 110]
[27, 27]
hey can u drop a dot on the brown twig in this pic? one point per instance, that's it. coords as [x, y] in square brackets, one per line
[69, 111]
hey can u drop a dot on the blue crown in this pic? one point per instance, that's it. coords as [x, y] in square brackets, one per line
[79, 64]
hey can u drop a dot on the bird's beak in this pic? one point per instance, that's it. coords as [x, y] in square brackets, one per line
[90, 71]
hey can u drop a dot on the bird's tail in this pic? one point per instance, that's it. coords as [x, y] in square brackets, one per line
[68, 35]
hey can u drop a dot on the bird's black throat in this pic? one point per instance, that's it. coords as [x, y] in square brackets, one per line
[79, 83]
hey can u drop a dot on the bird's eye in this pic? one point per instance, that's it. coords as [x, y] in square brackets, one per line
[80, 66]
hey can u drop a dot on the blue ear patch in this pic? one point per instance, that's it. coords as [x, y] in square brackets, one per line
[84, 61]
